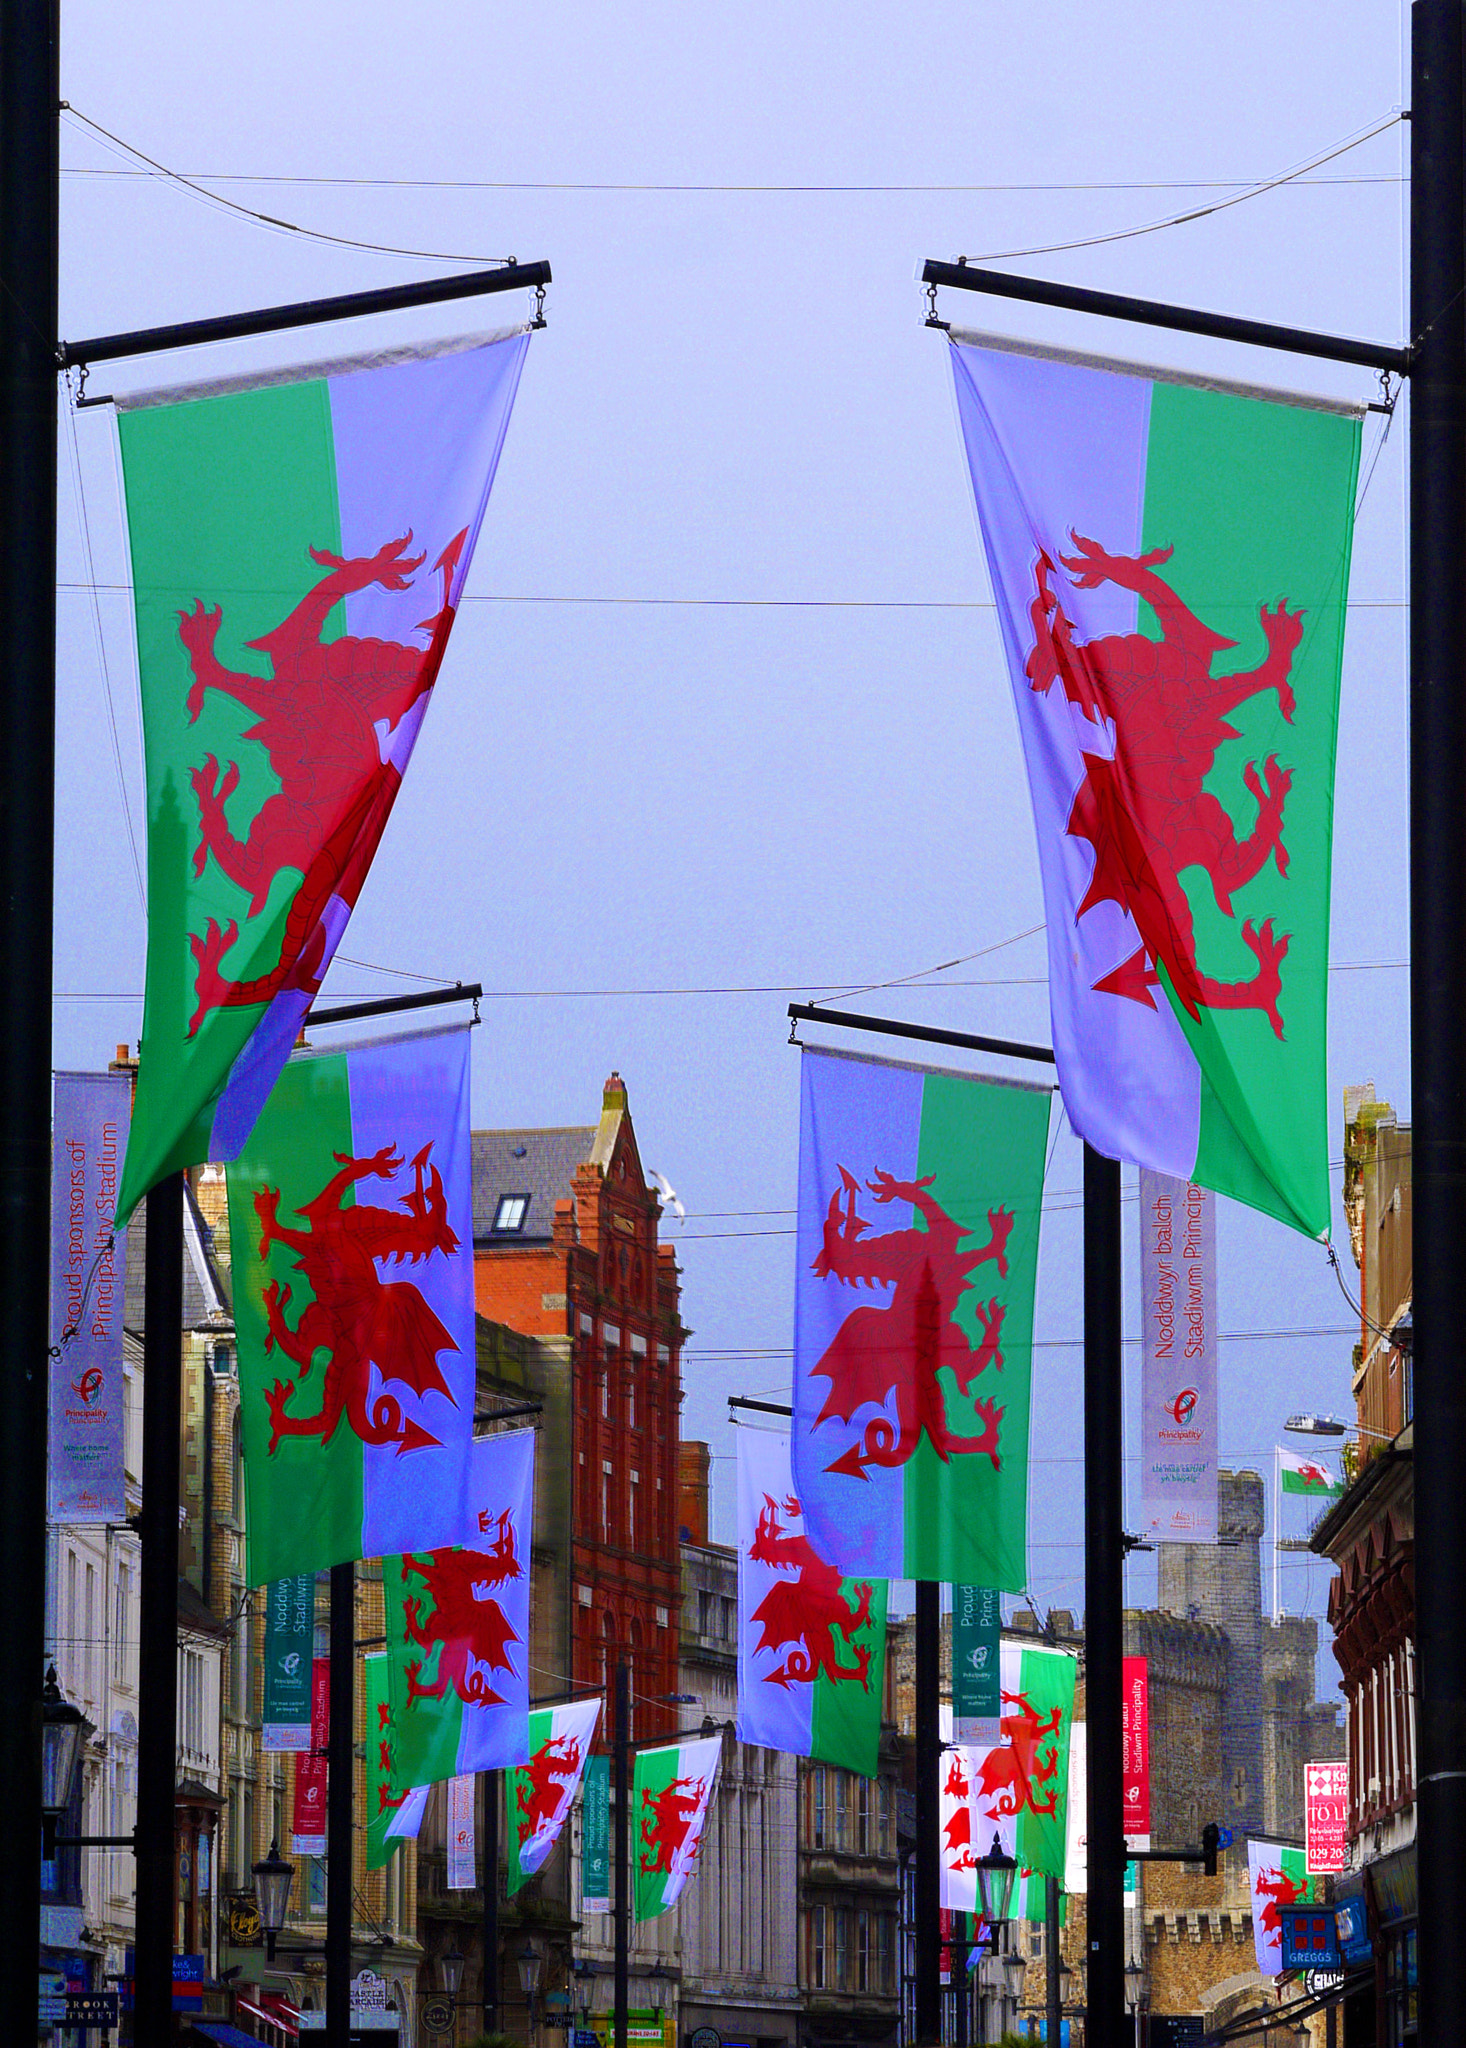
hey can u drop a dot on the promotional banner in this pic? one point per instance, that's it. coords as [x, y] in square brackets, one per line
[811, 1644]
[1174, 654]
[462, 1859]
[290, 1627]
[917, 1251]
[351, 1221]
[669, 1806]
[458, 1628]
[1306, 1475]
[1178, 1359]
[1135, 1738]
[1076, 1833]
[977, 1627]
[393, 1817]
[538, 1797]
[1326, 1816]
[85, 1448]
[1020, 1786]
[958, 1888]
[1278, 1878]
[299, 551]
[595, 1837]
[308, 1827]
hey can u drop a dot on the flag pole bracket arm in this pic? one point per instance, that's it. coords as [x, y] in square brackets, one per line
[760, 1407]
[431, 291]
[425, 999]
[1298, 341]
[968, 1041]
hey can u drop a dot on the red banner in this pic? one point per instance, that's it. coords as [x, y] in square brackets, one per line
[1135, 1724]
[308, 1827]
[1326, 1816]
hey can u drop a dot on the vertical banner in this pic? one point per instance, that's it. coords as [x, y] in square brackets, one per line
[811, 1644]
[671, 1791]
[1020, 1786]
[977, 1626]
[89, 1137]
[1178, 1377]
[1278, 1878]
[1076, 1839]
[462, 1859]
[1326, 1816]
[595, 1837]
[958, 1888]
[1135, 1736]
[290, 1624]
[308, 1827]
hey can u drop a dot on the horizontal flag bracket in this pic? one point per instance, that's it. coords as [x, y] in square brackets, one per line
[1204, 1853]
[387, 1006]
[1298, 341]
[761, 1407]
[431, 291]
[968, 1041]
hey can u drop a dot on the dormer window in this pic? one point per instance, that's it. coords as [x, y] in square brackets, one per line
[511, 1212]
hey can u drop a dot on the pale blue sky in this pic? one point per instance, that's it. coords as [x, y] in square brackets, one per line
[736, 400]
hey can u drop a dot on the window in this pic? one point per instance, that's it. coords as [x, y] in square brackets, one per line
[837, 1788]
[704, 1611]
[818, 1806]
[633, 1511]
[886, 1929]
[817, 1939]
[726, 1611]
[862, 1950]
[862, 1823]
[842, 1947]
[883, 1800]
[605, 1501]
[120, 1623]
[90, 1638]
[511, 1212]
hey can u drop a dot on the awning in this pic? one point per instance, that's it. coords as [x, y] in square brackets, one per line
[273, 2016]
[224, 2032]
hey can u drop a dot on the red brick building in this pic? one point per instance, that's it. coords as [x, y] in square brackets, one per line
[566, 1252]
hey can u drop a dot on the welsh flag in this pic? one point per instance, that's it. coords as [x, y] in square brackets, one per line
[539, 1795]
[669, 1809]
[457, 1624]
[351, 1223]
[299, 551]
[811, 1644]
[392, 1817]
[1171, 565]
[1306, 1475]
[1020, 1786]
[917, 1250]
[1278, 1877]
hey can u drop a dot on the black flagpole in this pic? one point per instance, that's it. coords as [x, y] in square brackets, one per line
[340, 1805]
[621, 1850]
[30, 94]
[1104, 1597]
[927, 1898]
[1438, 991]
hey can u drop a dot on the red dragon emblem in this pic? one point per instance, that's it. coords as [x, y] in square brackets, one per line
[1274, 1889]
[385, 1802]
[1012, 1773]
[812, 1613]
[324, 717]
[1144, 809]
[671, 1827]
[465, 1619]
[957, 1829]
[360, 1319]
[542, 1786]
[905, 1345]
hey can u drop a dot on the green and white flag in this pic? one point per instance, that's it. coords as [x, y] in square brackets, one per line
[1170, 563]
[811, 1644]
[351, 1220]
[1306, 1475]
[1020, 1786]
[300, 543]
[538, 1796]
[669, 1809]
[393, 1817]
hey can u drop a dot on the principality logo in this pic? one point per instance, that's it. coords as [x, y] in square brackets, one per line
[1184, 1406]
[89, 1386]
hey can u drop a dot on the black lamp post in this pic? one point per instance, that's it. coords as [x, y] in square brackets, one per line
[273, 1879]
[995, 1877]
[61, 1731]
[530, 1964]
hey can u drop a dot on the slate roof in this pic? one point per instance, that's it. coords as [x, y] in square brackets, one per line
[205, 1295]
[540, 1164]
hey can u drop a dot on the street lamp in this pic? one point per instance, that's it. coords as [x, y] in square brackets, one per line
[530, 1964]
[1134, 1983]
[273, 1879]
[1330, 1425]
[1014, 1967]
[450, 1965]
[995, 1875]
[1066, 1982]
[61, 1729]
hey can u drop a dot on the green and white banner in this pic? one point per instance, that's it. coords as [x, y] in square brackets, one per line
[595, 1837]
[290, 1627]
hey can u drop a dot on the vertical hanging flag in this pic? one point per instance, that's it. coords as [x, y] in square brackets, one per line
[1022, 1783]
[919, 1196]
[354, 1315]
[539, 1795]
[299, 551]
[1278, 1877]
[669, 1810]
[88, 1139]
[595, 1837]
[462, 1857]
[458, 1628]
[977, 1629]
[1076, 1842]
[1178, 1370]
[1306, 1475]
[1135, 1749]
[308, 1824]
[393, 1816]
[290, 1627]
[811, 1644]
[1171, 566]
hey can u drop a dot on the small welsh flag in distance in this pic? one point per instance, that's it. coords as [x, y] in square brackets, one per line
[1306, 1475]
